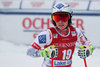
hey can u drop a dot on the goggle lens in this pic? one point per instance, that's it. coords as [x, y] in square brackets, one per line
[60, 16]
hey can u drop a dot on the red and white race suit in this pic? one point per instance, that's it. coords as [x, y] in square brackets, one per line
[64, 43]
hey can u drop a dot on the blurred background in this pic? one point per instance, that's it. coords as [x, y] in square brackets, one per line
[22, 20]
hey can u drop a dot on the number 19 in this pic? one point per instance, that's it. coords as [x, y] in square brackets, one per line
[67, 54]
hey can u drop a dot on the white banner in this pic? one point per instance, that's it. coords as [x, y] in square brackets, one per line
[37, 4]
[95, 5]
[47, 4]
[24, 28]
[9, 4]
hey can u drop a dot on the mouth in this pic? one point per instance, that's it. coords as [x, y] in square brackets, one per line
[61, 25]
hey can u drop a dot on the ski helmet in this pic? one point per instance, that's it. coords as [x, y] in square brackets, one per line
[62, 7]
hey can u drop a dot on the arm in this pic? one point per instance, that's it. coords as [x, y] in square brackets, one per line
[86, 48]
[33, 52]
[44, 38]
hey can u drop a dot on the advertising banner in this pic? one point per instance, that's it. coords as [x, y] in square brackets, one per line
[22, 20]
[9, 4]
[24, 29]
[47, 4]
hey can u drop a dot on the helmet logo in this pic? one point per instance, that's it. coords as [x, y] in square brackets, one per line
[59, 6]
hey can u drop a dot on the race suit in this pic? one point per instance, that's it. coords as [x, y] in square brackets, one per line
[65, 44]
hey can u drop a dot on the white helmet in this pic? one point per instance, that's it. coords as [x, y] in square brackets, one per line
[62, 7]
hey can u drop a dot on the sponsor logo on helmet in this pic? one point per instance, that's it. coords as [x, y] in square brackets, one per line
[59, 6]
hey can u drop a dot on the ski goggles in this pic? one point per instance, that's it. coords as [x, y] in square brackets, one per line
[63, 16]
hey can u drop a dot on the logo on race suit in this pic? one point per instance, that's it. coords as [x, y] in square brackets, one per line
[42, 39]
[55, 35]
[62, 63]
[73, 33]
[65, 44]
[59, 6]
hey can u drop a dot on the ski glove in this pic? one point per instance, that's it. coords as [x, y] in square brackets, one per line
[33, 52]
[85, 51]
[49, 52]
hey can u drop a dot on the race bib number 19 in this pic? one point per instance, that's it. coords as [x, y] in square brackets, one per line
[67, 54]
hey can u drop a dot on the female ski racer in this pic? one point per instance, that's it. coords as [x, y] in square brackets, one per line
[59, 42]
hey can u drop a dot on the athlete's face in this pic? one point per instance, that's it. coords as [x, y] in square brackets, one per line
[61, 19]
[61, 24]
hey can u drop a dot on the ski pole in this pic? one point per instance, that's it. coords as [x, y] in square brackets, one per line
[85, 62]
[51, 62]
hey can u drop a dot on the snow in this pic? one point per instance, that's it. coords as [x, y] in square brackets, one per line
[12, 55]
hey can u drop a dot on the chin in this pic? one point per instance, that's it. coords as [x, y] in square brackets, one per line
[61, 29]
